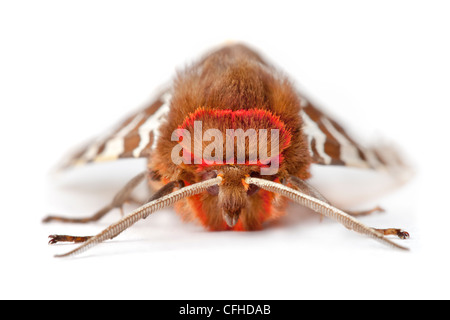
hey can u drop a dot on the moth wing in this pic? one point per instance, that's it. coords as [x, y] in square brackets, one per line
[330, 144]
[135, 137]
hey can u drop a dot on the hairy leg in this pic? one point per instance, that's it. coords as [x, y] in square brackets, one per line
[165, 190]
[55, 238]
[365, 212]
[123, 196]
[306, 188]
[394, 232]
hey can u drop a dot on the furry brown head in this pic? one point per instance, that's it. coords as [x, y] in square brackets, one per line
[228, 89]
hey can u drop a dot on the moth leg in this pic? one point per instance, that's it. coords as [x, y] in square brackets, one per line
[165, 190]
[55, 238]
[402, 234]
[306, 188]
[365, 212]
[133, 200]
[327, 210]
[118, 201]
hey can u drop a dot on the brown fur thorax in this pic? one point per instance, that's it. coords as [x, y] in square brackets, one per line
[232, 79]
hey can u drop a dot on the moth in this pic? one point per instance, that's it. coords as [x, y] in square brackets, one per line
[197, 161]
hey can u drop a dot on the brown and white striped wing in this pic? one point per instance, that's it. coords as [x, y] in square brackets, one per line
[329, 143]
[133, 138]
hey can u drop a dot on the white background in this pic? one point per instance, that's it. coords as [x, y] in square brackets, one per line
[69, 70]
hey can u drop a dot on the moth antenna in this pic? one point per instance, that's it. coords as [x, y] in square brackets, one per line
[322, 208]
[142, 213]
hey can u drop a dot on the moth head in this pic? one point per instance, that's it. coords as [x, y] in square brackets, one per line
[233, 192]
[235, 145]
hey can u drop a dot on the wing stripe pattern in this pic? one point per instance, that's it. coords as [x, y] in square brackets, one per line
[148, 131]
[330, 144]
[316, 139]
[133, 138]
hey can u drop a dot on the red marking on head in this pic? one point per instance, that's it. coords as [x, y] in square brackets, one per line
[239, 119]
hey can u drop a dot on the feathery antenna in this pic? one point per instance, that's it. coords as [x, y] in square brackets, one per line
[142, 213]
[322, 208]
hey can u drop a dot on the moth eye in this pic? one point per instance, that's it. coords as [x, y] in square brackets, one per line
[252, 189]
[211, 174]
[213, 190]
[255, 174]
